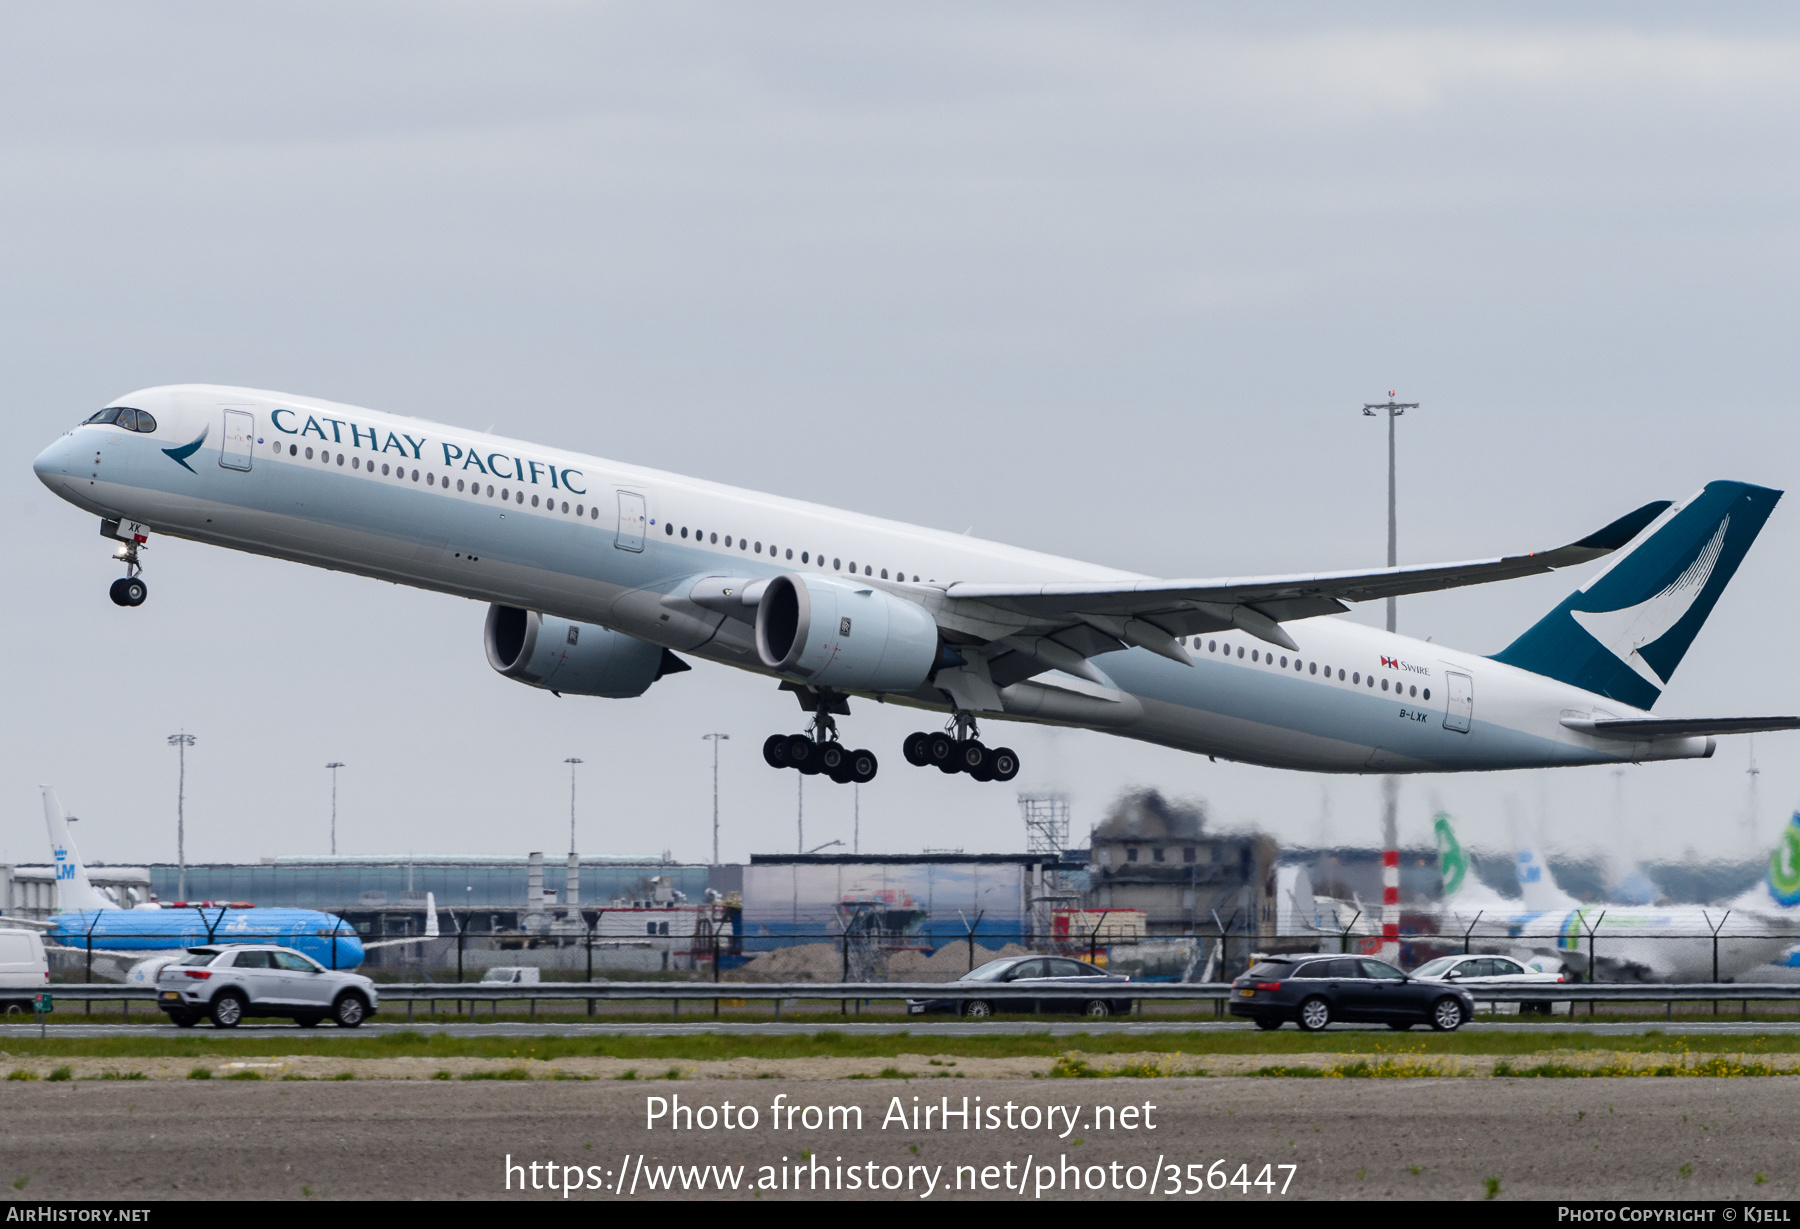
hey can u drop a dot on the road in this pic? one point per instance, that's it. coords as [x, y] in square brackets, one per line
[944, 1028]
[1421, 1138]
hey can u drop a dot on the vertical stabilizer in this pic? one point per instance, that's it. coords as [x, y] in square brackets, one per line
[1780, 888]
[1536, 886]
[1462, 889]
[74, 894]
[1623, 633]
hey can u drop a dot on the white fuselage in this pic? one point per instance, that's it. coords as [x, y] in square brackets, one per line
[499, 520]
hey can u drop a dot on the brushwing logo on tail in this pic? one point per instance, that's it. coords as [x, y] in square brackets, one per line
[1453, 867]
[1784, 865]
[1630, 628]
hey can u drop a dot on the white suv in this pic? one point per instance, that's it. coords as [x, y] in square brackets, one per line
[228, 983]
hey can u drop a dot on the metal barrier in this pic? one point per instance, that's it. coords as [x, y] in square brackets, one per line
[1218, 992]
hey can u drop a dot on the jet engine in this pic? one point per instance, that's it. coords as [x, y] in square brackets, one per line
[836, 633]
[577, 659]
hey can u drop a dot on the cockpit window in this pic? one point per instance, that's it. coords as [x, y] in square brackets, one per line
[124, 416]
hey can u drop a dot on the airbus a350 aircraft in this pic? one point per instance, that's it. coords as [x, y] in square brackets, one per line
[597, 572]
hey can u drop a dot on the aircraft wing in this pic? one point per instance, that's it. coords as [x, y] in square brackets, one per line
[431, 927]
[33, 923]
[1639, 729]
[1164, 609]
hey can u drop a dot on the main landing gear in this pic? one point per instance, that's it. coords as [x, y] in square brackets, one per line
[961, 751]
[819, 753]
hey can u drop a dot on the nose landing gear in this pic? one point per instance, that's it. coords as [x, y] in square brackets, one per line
[819, 753]
[961, 751]
[130, 589]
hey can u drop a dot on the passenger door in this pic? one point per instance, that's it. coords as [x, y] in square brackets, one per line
[1385, 991]
[240, 434]
[304, 982]
[632, 523]
[1459, 701]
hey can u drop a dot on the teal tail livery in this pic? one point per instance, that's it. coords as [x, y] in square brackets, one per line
[1780, 888]
[1623, 633]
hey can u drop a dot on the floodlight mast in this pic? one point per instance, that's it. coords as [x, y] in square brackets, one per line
[571, 762]
[181, 742]
[1390, 785]
[334, 766]
[715, 740]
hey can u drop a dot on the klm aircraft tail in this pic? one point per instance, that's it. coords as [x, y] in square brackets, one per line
[74, 894]
[1623, 633]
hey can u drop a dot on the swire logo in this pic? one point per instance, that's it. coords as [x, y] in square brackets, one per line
[1394, 663]
[1391, 661]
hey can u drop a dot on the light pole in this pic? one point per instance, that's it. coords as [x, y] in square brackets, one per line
[1390, 785]
[334, 766]
[181, 742]
[715, 740]
[800, 809]
[571, 762]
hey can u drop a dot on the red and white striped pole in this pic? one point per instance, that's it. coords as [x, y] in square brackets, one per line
[1390, 905]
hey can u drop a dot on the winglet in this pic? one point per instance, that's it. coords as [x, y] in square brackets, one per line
[1627, 527]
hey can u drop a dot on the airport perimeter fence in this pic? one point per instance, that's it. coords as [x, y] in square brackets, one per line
[853, 968]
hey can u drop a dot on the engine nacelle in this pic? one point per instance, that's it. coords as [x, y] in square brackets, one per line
[577, 659]
[834, 633]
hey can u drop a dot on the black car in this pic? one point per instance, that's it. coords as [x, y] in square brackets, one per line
[1069, 986]
[1314, 991]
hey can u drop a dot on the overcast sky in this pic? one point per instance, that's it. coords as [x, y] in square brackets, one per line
[1110, 281]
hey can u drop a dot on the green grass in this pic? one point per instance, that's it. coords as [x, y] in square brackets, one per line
[61, 1074]
[662, 1050]
[511, 1073]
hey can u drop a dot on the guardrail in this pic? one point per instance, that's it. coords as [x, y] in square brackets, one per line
[495, 993]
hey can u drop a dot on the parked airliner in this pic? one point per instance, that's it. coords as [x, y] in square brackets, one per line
[143, 938]
[1661, 943]
[597, 573]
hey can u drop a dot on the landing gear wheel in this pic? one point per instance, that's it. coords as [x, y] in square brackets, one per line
[1267, 1025]
[128, 591]
[775, 750]
[983, 772]
[970, 755]
[803, 754]
[863, 766]
[832, 758]
[914, 748]
[1315, 1014]
[940, 751]
[1003, 762]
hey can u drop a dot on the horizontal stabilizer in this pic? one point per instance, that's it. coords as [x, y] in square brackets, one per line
[1637, 729]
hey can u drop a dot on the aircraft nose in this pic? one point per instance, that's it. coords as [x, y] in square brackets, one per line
[53, 462]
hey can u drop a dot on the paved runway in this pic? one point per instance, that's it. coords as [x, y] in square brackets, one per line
[948, 1028]
[1425, 1138]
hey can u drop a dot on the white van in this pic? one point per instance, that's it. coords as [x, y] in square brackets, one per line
[516, 974]
[24, 971]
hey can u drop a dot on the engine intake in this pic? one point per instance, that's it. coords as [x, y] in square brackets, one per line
[577, 659]
[837, 634]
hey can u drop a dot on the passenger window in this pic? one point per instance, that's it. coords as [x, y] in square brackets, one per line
[1253, 655]
[1240, 652]
[1427, 693]
[1384, 684]
[669, 529]
[415, 475]
[1381, 971]
[1412, 691]
[743, 545]
[1212, 646]
[853, 567]
[593, 514]
[355, 462]
[251, 960]
[565, 506]
[1313, 668]
[714, 540]
[884, 573]
[430, 479]
[1318, 968]
[804, 556]
[340, 459]
[534, 501]
[1025, 969]
[867, 570]
[309, 452]
[1346, 968]
[684, 531]
[836, 565]
[293, 963]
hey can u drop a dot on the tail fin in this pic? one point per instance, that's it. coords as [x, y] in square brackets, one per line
[1623, 633]
[1461, 887]
[1780, 888]
[74, 894]
[1536, 885]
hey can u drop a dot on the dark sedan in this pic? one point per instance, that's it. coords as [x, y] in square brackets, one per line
[1314, 991]
[1070, 987]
